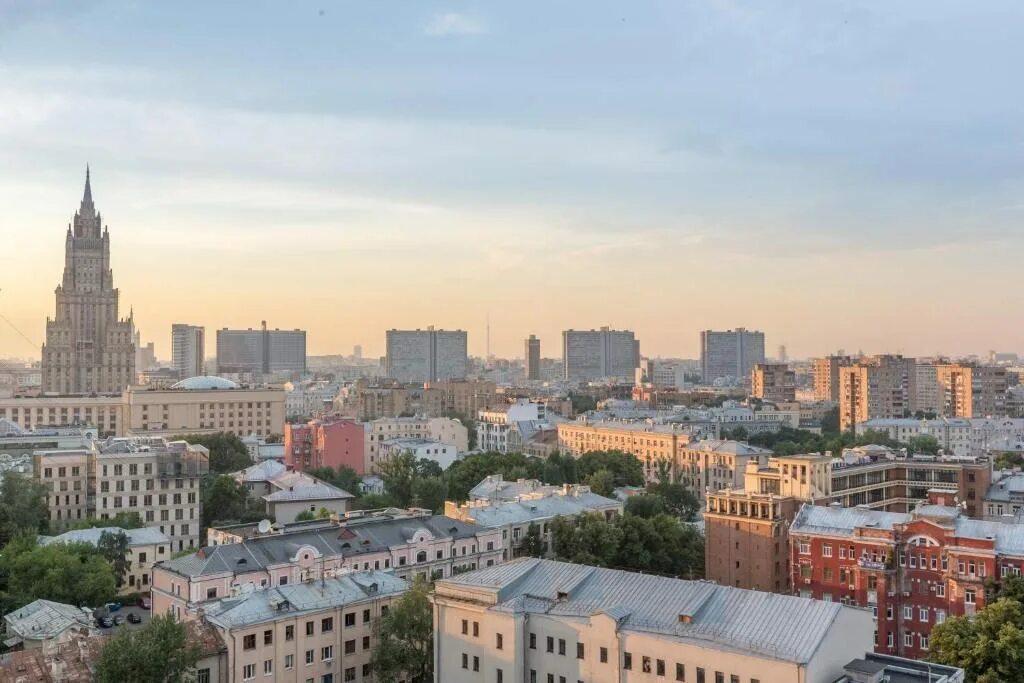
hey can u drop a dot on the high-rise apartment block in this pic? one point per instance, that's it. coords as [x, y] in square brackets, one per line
[188, 349]
[877, 386]
[532, 358]
[88, 348]
[826, 376]
[261, 351]
[426, 355]
[773, 382]
[969, 390]
[599, 354]
[730, 354]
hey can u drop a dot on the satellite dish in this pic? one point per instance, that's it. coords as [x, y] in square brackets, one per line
[264, 526]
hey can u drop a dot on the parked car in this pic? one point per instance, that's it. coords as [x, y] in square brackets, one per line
[113, 606]
[143, 603]
[118, 620]
[104, 622]
[134, 618]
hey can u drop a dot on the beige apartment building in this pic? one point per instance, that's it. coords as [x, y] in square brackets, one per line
[441, 429]
[826, 376]
[541, 621]
[195, 405]
[468, 396]
[148, 475]
[877, 386]
[773, 382]
[294, 633]
[969, 390]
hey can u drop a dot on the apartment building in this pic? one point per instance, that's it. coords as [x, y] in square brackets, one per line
[108, 413]
[826, 376]
[289, 493]
[544, 621]
[146, 547]
[599, 354]
[408, 543]
[426, 355]
[912, 570]
[773, 382]
[496, 428]
[1005, 498]
[466, 396]
[531, 358]
[188, 349]
[260, 352]
[445, 430]
[156, 478]
[712, 464]
[321, 632]
[537, 507]
[876, 387]
[729, 356]
[329, 442]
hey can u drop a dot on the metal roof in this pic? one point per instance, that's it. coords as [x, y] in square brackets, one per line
[501, 513]
[783, 627]
[143, 536]
[44, 620]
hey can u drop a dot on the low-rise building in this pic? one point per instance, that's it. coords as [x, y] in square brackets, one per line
[498, 429]
[329, 442]
[44, 623]
[422, 449]
[288, 494]
[1005, 498]
[540, 620]
[293, 631]
[409, 543]
[448, 431]
[536, 508]
[146, 547]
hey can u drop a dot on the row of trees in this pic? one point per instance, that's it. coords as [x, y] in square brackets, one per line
[789, 441]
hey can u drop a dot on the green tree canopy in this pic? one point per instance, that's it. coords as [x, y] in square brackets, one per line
[223, 498]
[430, 493]
[648, 505]
[345, 478]
[73, 573]
[227, 451]
[160, 651]
[398, 473]
[923, 443]
[22, 506]
[989, 647]
[602, 482]
[114, 549]
[582, 403]
[122, 520]
[626, 469]
[679, 500]
[374, 501]
[533, 542]
[467, 472]
[405, 638]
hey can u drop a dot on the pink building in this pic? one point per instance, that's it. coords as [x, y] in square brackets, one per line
[330, 442]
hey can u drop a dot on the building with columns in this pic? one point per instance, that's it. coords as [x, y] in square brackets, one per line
[88, 348]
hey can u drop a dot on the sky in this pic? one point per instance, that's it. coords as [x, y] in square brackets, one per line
[837, 174]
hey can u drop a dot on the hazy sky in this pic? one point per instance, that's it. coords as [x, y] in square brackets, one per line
[837, 174]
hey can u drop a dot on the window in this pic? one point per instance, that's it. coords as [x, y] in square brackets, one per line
[627, 661]
[940, 590]
[211, 593]
[249, 642]
[680, 672]
[551, 644]
[579, 650]
[350, 619]
[248, 672]
[826, 551]
[310, 627]
[465, 627]
[719, 677]
[908, 612]
[659, 667]
[498, 641]
[533, 641]
[499, 676]
[366, 616]
[604, 655]
[289, 662]
[268, 667]
[969, 596]
[645, 664]
[268, 637]
[203, 676]
[289, 632]
[350, 646]
[922, 614]
[700, 675]
[561, 646]
[924, 641]
[327, 653]
[309, 656]
[476, 663]
[350, 673]
[908, 639]
[366, 642]
[805, 548]
[327, 625]
[940, 616]
[465, 661]
[476, 629]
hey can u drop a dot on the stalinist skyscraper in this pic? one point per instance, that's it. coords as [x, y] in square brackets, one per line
[88, 348]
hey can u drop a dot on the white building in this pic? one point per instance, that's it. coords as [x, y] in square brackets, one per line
[188, 349]
[288, 494]
[539, 620]
[444, 430]
[957, 435]
[498, 429]
[443, 454]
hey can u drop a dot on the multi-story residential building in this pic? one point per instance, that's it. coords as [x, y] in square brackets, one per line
[1005, 498]
[448, 431]
[188, 349]
[730, 355]
[913, 570]
[957, 436]
[330, 442]
[878, 386]
[531, 358]
[146, 547]
[497, 428]
[969, 390]
[712, 464]
[773, 382]
[537, 507]
[148, 475]
[261, 352]
[88, 348]
[408, 543]
[300, 632]
[540, 620]
[426, 355]
[599, 354]
[466, 396]
[421, 449]
[826, 376]
[366, 402]
[929, 396]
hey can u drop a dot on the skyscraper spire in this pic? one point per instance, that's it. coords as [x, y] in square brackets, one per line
[87, 197]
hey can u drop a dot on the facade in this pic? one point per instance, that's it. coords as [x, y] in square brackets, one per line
[261, 352]
[538, 506]
[365, 402]
[448, 431]
[930, 398]
[288, 493]
[773, 382]
[88, 348]
[876, 387]
[421, 449]
[466, 396]
[913, 570]
[958, 436]
[599, 354]
[826, 376]
[1004, 498]
[730, 355]
[497, 429]
[539, 620]
[531, 357]
[188, 349]
[969, 390]
[146, 547]
[408, 543]
[291, 632]
[426, 355]
[330, 442]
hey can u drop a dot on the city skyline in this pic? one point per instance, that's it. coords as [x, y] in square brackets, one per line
[869, 203]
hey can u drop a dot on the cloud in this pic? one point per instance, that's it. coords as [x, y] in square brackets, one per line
[454, 24]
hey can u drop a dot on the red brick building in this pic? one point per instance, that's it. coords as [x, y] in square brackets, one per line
[330, 442]
[912, 569]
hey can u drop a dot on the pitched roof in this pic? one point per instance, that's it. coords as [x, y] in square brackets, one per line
[146, 535]
[44, 619]
[502, 512]
[784, 627]
[264, 471]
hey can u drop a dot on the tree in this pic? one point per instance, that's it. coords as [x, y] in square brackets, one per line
[533, 542]
[122, 520]
[1009, 460]
[114, 549]
[830, 421]
[160, 651]
[227, 451]
[22, 506]
[273, 438]
[398, 473]
[74, 573]
[582, 403]
[305, 516]
[425, 467]
[923, 443]
[405, 638]
[430, 493]
[626, 469]
[223, 498]
[645, 506]
[602, 482]
[375, 501]
[467, 472]
[345, 478]
[989, 647]
[679, 500]
[560, 469]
